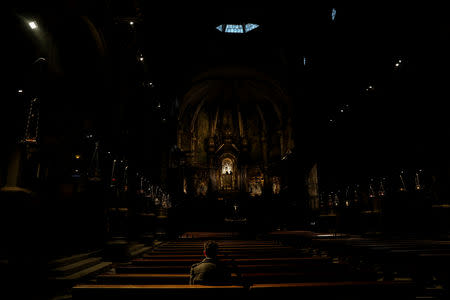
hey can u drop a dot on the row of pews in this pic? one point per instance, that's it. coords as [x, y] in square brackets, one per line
[424, 261]
[259, 268]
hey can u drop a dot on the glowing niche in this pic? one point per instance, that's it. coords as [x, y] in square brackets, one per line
[227, 175]
[227, 166]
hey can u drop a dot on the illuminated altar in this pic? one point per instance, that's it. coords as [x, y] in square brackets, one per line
[233, 142]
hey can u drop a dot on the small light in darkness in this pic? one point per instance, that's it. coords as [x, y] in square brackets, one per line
[32, 25]
[148, 84]
[370, 88]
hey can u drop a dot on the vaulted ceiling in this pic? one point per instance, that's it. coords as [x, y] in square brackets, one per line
[341, 73]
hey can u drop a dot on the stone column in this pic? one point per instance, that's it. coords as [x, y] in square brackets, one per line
[281, 138]
[20, 225]
[212, 170]
[313, 188]
[266, 187]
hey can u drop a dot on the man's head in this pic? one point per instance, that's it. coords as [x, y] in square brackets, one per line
[210, 249]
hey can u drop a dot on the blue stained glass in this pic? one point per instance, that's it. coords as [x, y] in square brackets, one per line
[250, 26]
[333, 14]
[234, 28]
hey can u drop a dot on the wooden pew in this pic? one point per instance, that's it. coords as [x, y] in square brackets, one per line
[336, 290]
[240, 268]
[170, 256]
[275, 272]
[301, 277]
[140, 292]
[235, 254]
[307, 290]
[244, 278]
[185, 268]
[434, 267]
[239, 261]
[170, 269]
[421, 260]
[220, 256]
[145, 278]
[222, 244]
[220, 241]
[225, 251]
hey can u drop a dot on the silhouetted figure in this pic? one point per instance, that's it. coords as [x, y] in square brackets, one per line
[210, 271]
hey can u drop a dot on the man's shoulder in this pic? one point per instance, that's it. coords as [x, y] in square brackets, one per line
[205, 264]
[196, 265]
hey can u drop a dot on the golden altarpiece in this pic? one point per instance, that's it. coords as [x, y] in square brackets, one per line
[235, 127]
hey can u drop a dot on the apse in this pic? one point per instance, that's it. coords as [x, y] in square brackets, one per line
[234, 128]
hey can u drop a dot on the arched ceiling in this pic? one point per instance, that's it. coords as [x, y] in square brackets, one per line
[236, 85]
[321, 64]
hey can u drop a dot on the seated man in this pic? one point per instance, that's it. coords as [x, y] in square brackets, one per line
[210, 271]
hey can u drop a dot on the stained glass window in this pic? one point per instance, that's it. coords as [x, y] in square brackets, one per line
[250, 26]
[234, 28]
[333, 14]
[237, 28]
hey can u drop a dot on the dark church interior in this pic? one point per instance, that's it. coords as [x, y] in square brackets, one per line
[309, 141]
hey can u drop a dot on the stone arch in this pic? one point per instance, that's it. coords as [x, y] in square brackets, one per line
[220, 90]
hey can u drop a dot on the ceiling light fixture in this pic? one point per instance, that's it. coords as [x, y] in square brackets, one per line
[32, 25]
